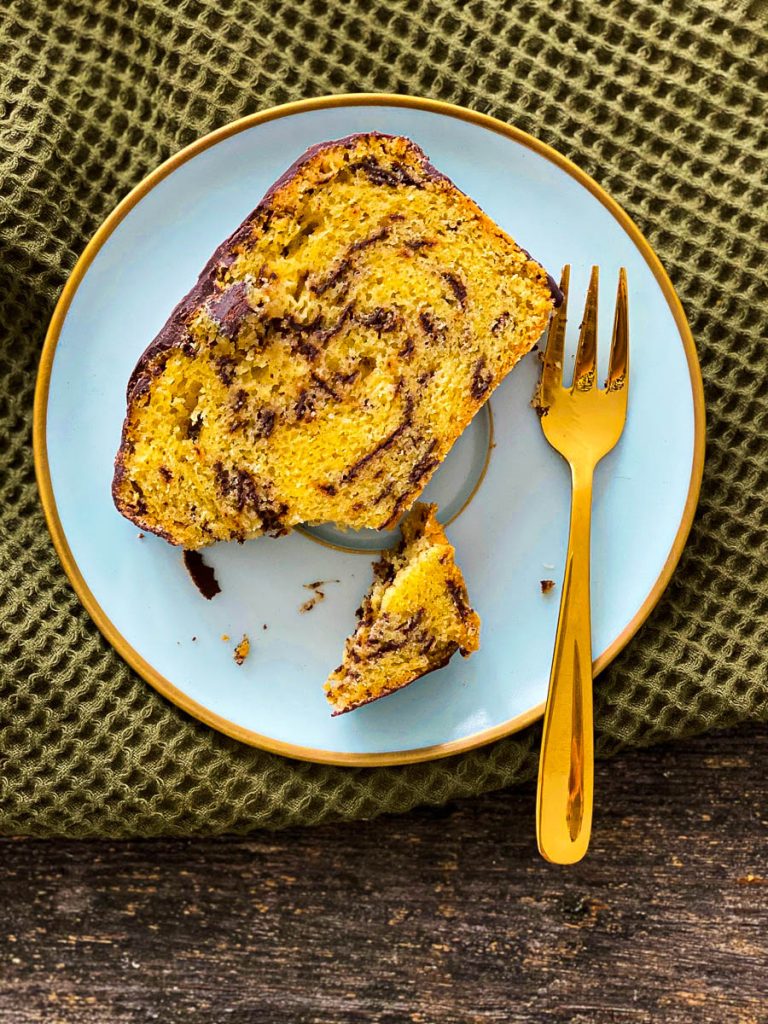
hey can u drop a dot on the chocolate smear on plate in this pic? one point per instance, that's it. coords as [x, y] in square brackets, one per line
[202, 574]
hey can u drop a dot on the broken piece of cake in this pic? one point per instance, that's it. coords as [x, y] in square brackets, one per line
[412, 621]
[331, 352]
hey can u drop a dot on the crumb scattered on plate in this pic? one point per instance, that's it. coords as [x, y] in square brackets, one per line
[546, 586]
[141, 536]
[310, 604]
[318, 596]
[225, 637]
[242, 650]
[536, 404]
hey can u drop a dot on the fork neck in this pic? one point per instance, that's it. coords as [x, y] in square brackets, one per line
[581, 520]
[582, 475]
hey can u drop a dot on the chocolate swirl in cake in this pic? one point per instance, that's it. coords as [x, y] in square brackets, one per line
[329, 355]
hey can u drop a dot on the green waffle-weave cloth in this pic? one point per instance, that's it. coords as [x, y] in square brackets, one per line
[663, 103]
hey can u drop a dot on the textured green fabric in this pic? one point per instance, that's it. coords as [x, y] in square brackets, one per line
[664, 103]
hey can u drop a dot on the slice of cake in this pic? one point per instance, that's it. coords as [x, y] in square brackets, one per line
[330, 354]
[413, 619]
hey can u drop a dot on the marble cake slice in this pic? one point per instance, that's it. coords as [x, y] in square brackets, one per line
[412, 621]
[330, 354]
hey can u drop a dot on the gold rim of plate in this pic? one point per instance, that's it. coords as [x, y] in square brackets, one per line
[108, 629]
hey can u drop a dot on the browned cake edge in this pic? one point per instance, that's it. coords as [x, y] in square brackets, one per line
[395, 689]
[173, 333]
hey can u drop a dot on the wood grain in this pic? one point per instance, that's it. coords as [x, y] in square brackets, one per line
[434, 917]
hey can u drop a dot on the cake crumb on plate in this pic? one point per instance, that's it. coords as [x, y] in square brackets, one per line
[319, 595]
[242, 650]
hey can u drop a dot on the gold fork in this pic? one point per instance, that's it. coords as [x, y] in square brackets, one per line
[582, 423]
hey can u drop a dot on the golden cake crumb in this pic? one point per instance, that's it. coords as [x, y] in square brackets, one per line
[242, 650]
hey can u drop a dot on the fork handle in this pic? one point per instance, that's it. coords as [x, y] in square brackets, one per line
[566, 765]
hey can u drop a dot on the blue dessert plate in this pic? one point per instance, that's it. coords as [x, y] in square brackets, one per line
[503, 491]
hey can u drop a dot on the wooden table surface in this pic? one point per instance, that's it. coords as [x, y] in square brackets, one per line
[431, 918]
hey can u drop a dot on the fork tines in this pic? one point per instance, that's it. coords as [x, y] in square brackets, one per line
[585, 364]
